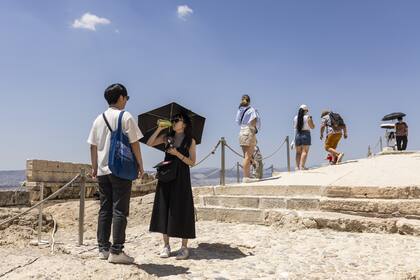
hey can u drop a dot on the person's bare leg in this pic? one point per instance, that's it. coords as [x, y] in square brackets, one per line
[334, 152]
[184, 243]
[166, 251]
[166, 240]
[247, 159]
[305, 151]
[298, 156]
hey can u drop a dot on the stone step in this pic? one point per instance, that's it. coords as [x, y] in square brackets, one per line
[261, 202]
[409, 208]
[309, 219]
[268, 190]
[407, 192]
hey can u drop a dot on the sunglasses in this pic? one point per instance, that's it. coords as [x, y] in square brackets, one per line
[176, 120]
[127, 97]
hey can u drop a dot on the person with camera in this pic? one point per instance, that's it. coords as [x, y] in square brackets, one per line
[303, 124]
[249, 120]
[173, 207]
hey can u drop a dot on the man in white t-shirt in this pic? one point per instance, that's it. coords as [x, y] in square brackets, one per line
[114, 192]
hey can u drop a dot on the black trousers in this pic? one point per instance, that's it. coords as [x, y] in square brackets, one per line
[114, 194]
[402, 142]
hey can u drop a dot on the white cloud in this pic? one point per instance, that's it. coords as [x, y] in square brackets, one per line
[90, 21]
[184, 11]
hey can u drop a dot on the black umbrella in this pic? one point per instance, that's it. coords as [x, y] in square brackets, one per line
[393, 116]
[148, 122]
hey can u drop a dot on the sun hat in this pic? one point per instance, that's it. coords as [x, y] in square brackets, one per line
[304, 107]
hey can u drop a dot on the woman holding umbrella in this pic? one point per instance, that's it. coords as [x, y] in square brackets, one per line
[173, 208]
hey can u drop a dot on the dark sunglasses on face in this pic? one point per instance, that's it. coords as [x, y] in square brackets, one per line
[127, 97]
[176, 120]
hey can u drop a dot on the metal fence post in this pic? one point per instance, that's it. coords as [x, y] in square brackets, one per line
[82, 205]
[272, 170]
[369, 154]
[288, 153]
[222, 163]
[41, 197]
[381, 144]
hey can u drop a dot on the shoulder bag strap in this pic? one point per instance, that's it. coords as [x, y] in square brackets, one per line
[106, 121]
[243, 114]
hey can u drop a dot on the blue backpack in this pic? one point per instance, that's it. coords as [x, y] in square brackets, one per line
[121, 161]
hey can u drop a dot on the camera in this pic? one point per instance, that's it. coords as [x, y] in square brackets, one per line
[170, 143]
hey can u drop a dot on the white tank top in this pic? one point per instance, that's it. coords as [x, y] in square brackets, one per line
[305, 122]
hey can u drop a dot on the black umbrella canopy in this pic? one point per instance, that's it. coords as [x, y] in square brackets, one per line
[148, 121]
[393, 116]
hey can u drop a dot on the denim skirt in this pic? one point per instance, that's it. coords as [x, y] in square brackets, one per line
[303, 138]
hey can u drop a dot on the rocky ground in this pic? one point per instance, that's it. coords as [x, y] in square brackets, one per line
[221, 251]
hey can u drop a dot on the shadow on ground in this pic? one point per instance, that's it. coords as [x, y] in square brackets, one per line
[217, 251]
[163, 270]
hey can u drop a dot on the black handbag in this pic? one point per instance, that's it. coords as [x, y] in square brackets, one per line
[166, 171]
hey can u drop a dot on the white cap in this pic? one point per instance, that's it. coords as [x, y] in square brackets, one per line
[304, 107]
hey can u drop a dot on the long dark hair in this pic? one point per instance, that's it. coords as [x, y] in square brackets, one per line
[299, 125]
[187, 131]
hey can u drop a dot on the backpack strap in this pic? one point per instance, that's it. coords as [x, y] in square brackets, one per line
[119, 127]
[107, 123]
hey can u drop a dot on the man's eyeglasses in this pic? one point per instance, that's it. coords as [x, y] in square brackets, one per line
[128, 97]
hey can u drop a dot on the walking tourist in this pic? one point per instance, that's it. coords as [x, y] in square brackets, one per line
[401, 131]
[303, 124]
[334, 124]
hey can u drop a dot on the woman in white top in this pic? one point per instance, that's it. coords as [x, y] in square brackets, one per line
[303, 124]
[249, 120]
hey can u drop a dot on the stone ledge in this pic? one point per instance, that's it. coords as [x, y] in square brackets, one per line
[310, 219]
[408, 192]
[14, 198]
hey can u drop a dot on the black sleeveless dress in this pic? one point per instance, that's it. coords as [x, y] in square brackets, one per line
[173, 207]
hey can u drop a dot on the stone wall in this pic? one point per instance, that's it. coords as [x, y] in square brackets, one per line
[14, 198]
[55, 174]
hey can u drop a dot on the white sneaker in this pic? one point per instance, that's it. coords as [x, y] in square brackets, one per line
[340, 157]
[121, 258]
[103, 255]
[165, 253]
[249, 180]
[183, 254]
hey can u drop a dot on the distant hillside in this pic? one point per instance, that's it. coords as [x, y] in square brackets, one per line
[199, 177]
[12, 178]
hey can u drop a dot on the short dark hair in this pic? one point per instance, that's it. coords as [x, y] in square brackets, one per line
[113, 92]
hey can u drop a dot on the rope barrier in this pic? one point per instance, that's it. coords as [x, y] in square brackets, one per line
[148, 183]
[41, 202]
[276, 151]
[271, 155]
[211, 153]
[235, 152]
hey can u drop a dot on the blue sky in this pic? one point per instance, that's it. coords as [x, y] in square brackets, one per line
[359, 58]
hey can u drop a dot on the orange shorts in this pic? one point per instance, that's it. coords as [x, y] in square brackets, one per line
[332, 141]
